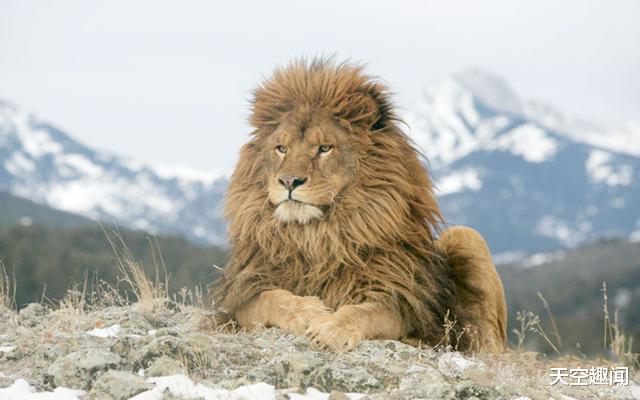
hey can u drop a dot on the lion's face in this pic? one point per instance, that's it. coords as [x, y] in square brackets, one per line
[309, 165]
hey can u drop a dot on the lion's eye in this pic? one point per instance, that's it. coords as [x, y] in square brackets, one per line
[325, 148]
[281, 149]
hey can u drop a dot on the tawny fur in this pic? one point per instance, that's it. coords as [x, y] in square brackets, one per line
[373, 258]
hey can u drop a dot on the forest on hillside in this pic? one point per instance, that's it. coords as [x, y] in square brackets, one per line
[47, 261]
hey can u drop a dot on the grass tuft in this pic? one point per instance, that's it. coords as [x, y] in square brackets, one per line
[614, 338]
[131, 273]
[7, 289]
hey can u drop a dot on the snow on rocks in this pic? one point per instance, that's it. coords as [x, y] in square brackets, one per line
[22, 390]
[451, 364]
[180, 361]
[6, 348]
[108, 332]
[80, 369]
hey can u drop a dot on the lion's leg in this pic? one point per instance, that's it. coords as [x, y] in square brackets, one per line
[351, 324]
[488, 314]
[283, 309]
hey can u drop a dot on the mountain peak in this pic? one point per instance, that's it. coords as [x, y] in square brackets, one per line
[491, 90]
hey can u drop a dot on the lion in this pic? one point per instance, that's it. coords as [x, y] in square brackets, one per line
[335, 232]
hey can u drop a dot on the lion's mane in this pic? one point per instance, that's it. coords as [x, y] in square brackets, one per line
[377, 243]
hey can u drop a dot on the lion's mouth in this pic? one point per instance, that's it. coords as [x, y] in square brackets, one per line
[292, 210]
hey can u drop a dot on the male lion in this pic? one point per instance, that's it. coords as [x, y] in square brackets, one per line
[333, 225]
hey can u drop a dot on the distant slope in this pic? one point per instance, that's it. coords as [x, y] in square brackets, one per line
[572, 286]
[18, 211]
[46, 165]
[52, 259]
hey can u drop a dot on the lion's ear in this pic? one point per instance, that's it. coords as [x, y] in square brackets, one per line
[368, 109]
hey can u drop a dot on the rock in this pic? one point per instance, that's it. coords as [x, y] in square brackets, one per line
[337, 376]
[78, 370]
[130, 347]
[118, 385]
[31, 314]
[171, 346]
[136, 323]
[336, 395]
[454, 364]
[425, 382]
[164, 366]
[470, 390]
[287, 370]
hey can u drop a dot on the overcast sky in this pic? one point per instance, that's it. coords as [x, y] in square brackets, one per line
[168, 82]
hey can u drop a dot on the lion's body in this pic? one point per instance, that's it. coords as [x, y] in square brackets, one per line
[366, 263]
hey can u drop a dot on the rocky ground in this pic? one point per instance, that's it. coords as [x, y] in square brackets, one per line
[160, 351]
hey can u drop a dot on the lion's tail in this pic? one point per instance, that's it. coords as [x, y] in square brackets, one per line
[480, 295]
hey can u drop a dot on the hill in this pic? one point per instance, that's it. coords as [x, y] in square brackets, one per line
[18, 211]
[48, 260]
[572, 285]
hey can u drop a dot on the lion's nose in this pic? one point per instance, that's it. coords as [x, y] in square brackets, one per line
[291, 182]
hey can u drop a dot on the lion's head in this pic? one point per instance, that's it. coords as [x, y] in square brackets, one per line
[321, 131]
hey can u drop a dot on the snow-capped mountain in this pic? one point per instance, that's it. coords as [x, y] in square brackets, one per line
[527, 177]
[45, 165]
[523, 174]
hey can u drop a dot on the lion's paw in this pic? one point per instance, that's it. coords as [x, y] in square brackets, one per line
[299, 313]
[330, 332]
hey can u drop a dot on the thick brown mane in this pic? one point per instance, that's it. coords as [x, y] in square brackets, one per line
[379, 240]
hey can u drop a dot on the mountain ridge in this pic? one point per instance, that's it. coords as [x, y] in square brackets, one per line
[43, 164]
[527, 177]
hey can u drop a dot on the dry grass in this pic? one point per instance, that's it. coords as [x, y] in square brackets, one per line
[530, 322]
[552, 320]
[615, 341]
[614, 338]
[453, 335]
[131, 273]
[7, 289]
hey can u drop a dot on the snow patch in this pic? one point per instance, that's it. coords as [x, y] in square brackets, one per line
[459, 181]
[7, 348]
[509, 257]
[601, 168]
[555, 228]
[189, 174]
[542, 258]
[18, 163]
[109, 332]
[81, 164]
[181, 386]
[528, 141]
[112, 195]
[454, 363]
[36, 142]
[22, 390]
[441, 127]
[315, 394]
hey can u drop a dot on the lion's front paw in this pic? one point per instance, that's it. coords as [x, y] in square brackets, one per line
[330, 332]
[299, 313]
